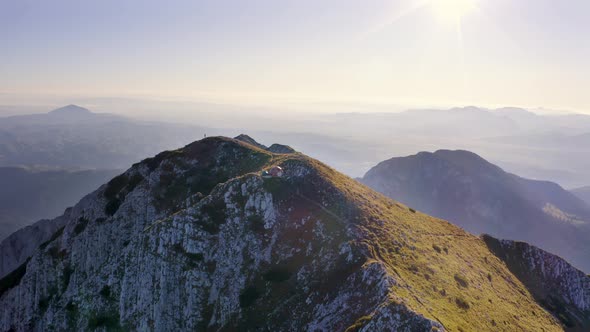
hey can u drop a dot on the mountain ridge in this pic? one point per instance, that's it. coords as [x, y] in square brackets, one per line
[195, 238]
[70, 110]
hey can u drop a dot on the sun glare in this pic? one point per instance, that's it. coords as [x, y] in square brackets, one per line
[452, 10]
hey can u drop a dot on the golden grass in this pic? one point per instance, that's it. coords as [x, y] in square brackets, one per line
[464, 286]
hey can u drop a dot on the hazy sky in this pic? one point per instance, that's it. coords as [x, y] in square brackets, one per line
[484, 52]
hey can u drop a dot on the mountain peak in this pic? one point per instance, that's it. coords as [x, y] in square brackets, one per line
[275, 148]
[71, 110]
[460, 155]
[247, 139]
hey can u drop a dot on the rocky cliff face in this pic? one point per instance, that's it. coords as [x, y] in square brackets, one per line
[559, 287]
[195, 239]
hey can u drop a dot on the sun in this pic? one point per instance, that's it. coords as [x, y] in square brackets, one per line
[452, 10]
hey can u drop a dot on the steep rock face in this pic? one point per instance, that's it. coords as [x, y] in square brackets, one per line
[463, 187]
[19, 246]
[561, 288]
[195, 239]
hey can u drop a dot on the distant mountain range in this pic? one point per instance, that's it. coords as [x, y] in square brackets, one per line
[464, 188]
[74, 137]
[196, 239]
[518, 140]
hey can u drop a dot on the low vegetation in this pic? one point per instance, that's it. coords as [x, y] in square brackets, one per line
[436, 248]
[277, 274]
[12, 279]
[248, 297]
[117, 189]
[108, 321]
[358, 324]
[462, 303]
[461, 280]
[81, 225]
[54, 237]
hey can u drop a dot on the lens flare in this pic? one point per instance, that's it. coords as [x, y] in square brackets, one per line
[452, 10]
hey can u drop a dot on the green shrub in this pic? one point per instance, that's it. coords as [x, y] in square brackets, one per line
[114, 191]
[109, 320]
[54, 237]
[71, 307]
[72, 314]
[105, 292]
[194, 256]
[44, 303]
[216, 211]
[55, 253]
[248, 297]
[272, 185]
[256, 223]
[12, 279]
[112, 206]
[462, 303]
[115, 186]
[134, 181]
[178, 248]
[277, 274]
[81, 225]
[436, 248]
[461, 280]
[358, 324]
[67, 275]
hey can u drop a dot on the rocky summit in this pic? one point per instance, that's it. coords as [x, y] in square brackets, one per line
[197, 240]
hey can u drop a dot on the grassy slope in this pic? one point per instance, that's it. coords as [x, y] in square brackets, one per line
[440, 268]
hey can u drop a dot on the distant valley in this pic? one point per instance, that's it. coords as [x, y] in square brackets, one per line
[27, 194]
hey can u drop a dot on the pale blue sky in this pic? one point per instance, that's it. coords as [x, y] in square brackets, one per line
[508, 52]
